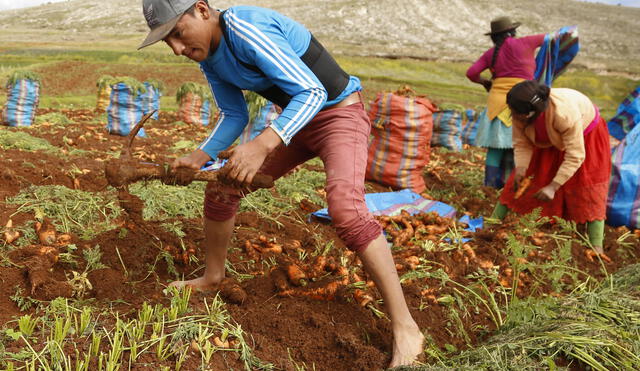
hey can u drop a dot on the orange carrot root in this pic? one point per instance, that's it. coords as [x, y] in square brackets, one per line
[296, 275]
[523, 186]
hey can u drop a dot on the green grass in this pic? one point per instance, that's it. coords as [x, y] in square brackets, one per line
[10, 139]
[86, 214]
[594, 327]
[442, 82]
[163, 202]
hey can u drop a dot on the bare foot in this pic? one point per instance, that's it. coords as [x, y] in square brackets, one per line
[201, 283]
[408, 344]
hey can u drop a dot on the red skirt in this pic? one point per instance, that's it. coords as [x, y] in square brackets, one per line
[583, 198]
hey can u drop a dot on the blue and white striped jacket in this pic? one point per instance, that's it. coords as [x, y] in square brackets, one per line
[274, 43]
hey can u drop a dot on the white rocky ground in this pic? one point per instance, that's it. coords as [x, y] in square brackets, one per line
[435, 29]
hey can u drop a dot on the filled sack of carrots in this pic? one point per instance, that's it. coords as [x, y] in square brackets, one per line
[104, 92]
[196, 104]
[261, 114]
[151, 98]
[399, 148]
[23, 96]
[447, 127]
[470, 125]
[125, 106]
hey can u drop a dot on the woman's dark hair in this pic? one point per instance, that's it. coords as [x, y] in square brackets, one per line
[498, 39]
[528, 98]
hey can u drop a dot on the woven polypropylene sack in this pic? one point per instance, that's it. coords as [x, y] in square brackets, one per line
[124, 111]
[447, 130]
[262, 121]
[151, 100]
[400, 136]
[103, 99]
[23, 98]
[194, 111]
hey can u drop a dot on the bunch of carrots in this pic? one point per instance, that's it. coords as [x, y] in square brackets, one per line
[404, 228]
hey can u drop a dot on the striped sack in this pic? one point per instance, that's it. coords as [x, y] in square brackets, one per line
[447, 130]
[470, 127]
[22, 102]
[124, 111]
[151, 101]
[627, 116]
[399, 147]
[104, 96]
[623, 202]
[267, 114]
[556, 52]
[194, 111]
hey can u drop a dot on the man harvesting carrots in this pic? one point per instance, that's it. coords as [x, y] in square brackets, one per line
[251, 48]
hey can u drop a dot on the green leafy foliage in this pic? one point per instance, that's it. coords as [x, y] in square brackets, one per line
[166, 202]
[193, 88]
[55, 118]
[10, 139]
[84, 213]
[22, 75]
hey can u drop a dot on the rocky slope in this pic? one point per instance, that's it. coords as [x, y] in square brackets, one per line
[434, 29]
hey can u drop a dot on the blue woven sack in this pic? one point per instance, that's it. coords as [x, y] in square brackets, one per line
[447, 129]
[124, 111]
[470, 129]
[262, 121]
[627, 116]
[22, 102]
[151, 100]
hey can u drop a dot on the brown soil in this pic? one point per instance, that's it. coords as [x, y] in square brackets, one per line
[286, 322]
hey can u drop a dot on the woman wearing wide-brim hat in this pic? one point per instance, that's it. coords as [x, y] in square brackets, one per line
[510, 61]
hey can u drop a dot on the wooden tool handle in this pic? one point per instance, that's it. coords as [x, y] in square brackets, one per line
[259, 180]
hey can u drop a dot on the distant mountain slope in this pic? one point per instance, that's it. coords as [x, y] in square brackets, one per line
[435, 29]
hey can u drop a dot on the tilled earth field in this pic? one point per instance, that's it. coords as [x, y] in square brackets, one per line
[295, 298]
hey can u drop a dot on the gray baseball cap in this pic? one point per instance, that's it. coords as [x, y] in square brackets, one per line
[162, 16]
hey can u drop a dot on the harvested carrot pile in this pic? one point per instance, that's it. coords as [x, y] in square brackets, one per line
[405, 229]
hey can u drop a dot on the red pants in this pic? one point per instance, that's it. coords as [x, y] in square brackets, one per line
[583, 198]
[339, 136]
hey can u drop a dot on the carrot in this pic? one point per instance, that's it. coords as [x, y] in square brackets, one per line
[523, 186]
[64, 239]
[318, 268]
[274, 248]
[327, 292]
[469, 251]
[296, 275]
[412, 262]
[362, 298]
[232, 291]
[219, 343]
[590, 254]
[46, 232]
[10, 234]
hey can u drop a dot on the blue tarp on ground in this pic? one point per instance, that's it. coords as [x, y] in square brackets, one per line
[392, 203]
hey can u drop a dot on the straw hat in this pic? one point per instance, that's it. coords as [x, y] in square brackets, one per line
[502, 24]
